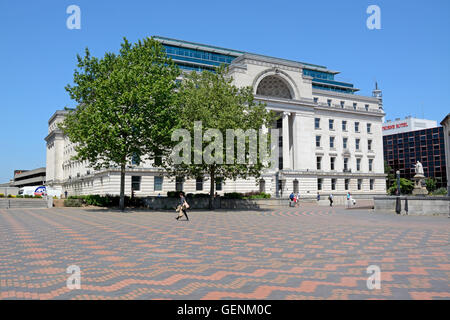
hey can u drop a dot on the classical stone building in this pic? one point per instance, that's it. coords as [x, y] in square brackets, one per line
[330, 137]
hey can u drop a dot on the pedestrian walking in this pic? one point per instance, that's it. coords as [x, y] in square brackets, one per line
[182, 207]
[291, 198]
[330, 197]
[298, 199]
[348, 199]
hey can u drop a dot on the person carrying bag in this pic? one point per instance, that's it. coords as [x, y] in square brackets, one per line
[182, 207]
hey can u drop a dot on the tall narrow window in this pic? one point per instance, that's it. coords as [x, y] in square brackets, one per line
[331, 142]
[179, 184]
[342, 104]
[360, 184]
[317, 141]
[332, 163]
[346, 184]
[317, 123]
[370, 164]
[344, 125]
[199, 184]
[372, 182]
[219, 184]
[345, 164]
[356, 126]
[319, 184]
[331, 124]
[158, 182]
[355, 106]
[333, 184]
[344, 143]
[369, 128]
[136, 183]
[358, 164]
[369, 145]
[319, 163]
[329, 102]
[357, 144]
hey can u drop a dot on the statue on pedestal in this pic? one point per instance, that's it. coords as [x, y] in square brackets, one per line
[419, 168]
[419, 185]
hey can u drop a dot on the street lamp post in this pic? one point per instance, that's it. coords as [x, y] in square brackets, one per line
[398, 182]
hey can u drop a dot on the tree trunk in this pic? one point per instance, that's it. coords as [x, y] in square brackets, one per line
[122, 187]
[211, 189]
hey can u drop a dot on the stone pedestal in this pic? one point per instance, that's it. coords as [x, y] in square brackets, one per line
[419, 189]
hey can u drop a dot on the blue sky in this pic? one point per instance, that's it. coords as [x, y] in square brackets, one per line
[409, 56]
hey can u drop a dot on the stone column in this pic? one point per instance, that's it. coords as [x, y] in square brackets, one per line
[296, 138]
[286, 155]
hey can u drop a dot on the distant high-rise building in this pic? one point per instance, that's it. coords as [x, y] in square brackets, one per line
[406, 125]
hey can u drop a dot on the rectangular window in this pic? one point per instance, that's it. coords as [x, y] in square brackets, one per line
[331, 142]
[332, 163]
[199, 184]
[219, 184]
[158, 161]
[136, 183]
[345, 164]
[367, 107]
[372, 181]
[333, 184]
[319, 163]
[355, 105]
[346, 184]
[319, 184]
[357, 143]
[317, 141]
[369, 145]
[342, 104]
[344, 125]
[370, 164]
[358, 164]
[356, 126]
[369, 128]
[317, 123]
[344, 143]
[329, 102]
[359, 184]
[331, 124]
[316, 100]
[157, 185]
[179, 184]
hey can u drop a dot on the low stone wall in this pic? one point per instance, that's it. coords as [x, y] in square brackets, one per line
[416, 205]
[164, 203]
[11, 203]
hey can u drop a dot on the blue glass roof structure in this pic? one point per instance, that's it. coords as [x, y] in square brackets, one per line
[195, 56]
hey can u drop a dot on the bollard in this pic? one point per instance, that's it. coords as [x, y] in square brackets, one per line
[406, 205]
[398, 205]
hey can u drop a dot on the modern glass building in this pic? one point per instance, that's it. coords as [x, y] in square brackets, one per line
[403, 150]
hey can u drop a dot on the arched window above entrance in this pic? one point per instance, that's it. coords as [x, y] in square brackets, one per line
[273, 86]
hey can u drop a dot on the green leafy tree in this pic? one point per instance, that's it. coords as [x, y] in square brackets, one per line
[390, 174]
[210, 97]
[125, 106]
[431, 184]
[406, 187]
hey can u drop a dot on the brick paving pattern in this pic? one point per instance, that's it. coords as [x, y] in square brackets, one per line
[291, 253]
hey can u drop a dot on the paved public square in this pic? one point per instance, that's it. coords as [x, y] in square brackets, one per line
[292, 253]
